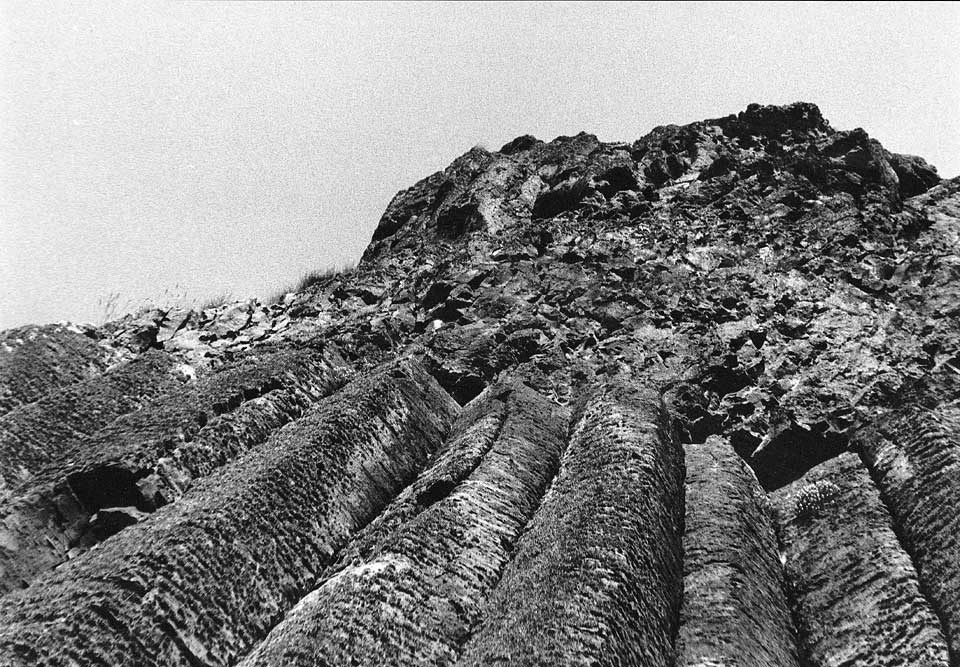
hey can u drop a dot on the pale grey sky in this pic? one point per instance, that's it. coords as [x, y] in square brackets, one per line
[202, 148]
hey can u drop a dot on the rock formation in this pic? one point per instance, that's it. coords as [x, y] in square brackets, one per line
[692, 400]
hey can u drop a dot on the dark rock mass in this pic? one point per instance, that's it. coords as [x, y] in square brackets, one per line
[688, 401]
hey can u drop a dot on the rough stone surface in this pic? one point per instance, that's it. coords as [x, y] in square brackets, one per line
[790, 288]
[148, 458]
[735, 611]
[854, 588]
[39, 433]
[410, 586]
[914, 454]
[597, 576]
[35, 360]
[165, 591]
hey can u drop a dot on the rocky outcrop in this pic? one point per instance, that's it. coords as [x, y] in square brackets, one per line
[148, 458]
[470, 448]
[914, 455]
[44, 431]
[35, 360]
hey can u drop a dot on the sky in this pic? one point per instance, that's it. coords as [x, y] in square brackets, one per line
[156, 152]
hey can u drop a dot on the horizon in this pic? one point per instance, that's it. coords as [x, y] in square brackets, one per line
[202, 149]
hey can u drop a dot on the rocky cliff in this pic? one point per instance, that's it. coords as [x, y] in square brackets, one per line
[691, 400]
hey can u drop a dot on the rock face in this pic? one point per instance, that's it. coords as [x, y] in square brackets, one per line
[914, 454]
[36, 360]
[691, 400]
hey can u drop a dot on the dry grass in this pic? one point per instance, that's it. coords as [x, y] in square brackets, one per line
[114, 306]
[216, 301]
[309, 279]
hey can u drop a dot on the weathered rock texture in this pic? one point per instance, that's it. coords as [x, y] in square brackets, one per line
[36, 360]
[409, 588]
[211, 574]
[914, 454]
[470, 449]
[735, 609]
[43, 432]
[854, 588]
[596, 578]
[145, 459]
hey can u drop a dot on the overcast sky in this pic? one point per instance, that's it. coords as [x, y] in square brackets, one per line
[156, 150]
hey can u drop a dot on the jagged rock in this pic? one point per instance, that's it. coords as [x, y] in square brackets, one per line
[915, 176]
[173, 321]
[111, 520]
[265, 482]
[524, 143]
[140, 333]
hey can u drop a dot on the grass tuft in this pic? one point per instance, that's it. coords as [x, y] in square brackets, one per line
[309, 280]
[216, 301]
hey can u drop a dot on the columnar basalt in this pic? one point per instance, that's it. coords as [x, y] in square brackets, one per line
[470, 448]
[914, 454]
[735, 609]
[44, 431]
[408, 589]
[596, 578]
[35, 360]
[854, 589]
[166, 591]
[147, 458]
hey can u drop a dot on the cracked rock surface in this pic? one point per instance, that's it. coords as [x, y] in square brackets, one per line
[686, 400]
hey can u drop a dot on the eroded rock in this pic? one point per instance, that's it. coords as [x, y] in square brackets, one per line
[271, 519]
[596, 578]
[411, 586]
[735, 609]
[785, 287]
[855, 592]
